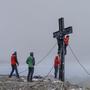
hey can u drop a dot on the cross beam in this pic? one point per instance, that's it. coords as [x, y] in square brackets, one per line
[59, 35]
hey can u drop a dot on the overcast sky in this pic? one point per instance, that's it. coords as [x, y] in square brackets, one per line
[28, 25]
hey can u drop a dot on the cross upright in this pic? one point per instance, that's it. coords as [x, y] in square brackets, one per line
[59, 35]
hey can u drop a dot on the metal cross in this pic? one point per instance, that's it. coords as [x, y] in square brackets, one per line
[59, 35]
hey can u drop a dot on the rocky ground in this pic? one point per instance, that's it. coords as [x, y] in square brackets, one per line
[37, 84]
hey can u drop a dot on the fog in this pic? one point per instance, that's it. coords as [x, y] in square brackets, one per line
[28, 25]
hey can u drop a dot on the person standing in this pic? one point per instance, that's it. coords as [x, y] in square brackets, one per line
[31, 62]
[57, 64]
[66, 41]
[14, 63]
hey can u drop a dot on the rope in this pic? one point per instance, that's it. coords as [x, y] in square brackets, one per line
[42, 58]
[49, 72]
[79, 61]
[47, 54]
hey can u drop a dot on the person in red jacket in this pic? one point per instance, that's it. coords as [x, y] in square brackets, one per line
[14, 64]
[66, 42]
[57, 64]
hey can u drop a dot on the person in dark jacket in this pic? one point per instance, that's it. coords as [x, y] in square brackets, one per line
[57, 63]
[14, 63]
[31, 62]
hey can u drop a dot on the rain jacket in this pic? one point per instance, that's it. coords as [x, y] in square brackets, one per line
[30, 61]
[14, 60]
[66, 40]
[57, 61]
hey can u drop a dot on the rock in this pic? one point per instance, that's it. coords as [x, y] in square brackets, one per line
[39, 84]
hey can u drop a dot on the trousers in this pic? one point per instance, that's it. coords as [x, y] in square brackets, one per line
[30, 73]
[14, 68]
